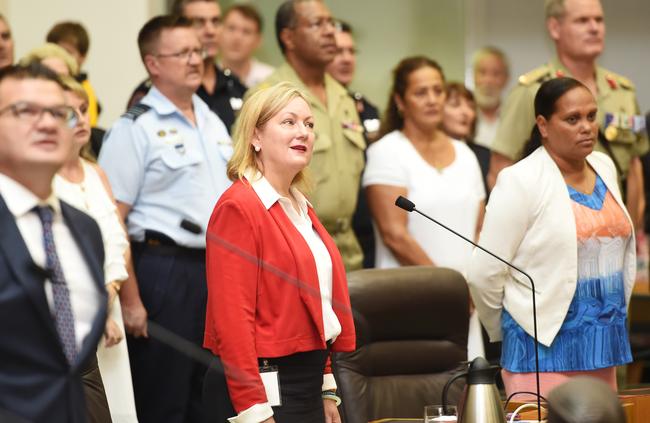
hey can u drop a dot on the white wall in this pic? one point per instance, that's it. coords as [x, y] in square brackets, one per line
[113, 63]
[387, 31]
[517, 26]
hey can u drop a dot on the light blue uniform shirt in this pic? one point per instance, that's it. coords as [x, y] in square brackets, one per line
[166, 168]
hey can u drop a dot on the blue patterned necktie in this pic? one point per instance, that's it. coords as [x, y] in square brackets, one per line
[63, 316]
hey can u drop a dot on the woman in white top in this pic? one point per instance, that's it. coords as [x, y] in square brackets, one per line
[416, 159]
[82, 184]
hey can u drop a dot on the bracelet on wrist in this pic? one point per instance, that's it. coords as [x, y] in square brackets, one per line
[331, 395]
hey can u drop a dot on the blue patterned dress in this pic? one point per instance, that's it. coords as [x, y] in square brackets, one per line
[594, 332]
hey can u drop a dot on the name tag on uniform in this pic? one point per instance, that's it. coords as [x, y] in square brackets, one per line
[271, 380]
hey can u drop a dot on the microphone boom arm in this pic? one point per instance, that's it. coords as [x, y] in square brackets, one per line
[407, 205]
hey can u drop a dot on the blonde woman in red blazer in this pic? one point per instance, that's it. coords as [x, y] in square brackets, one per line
[277, 291]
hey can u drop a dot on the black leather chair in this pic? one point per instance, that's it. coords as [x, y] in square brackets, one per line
[411, 325]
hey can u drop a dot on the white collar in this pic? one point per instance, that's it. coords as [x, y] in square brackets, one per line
[269, 195]
[21, 201]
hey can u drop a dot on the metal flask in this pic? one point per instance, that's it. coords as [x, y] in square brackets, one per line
[481, 402]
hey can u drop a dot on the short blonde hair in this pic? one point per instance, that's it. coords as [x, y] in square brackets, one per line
[554, 9]
[41, 53]
[257, 110]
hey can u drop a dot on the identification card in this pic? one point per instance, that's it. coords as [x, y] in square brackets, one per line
[271, 380]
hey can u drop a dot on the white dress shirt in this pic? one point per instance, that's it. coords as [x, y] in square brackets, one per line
[84, 295]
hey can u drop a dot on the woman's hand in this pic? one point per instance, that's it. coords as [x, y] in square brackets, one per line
[112, 333]
[269, 420]
[331, 411]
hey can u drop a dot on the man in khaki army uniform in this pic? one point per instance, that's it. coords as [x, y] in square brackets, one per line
[577, 27]
[305, 31]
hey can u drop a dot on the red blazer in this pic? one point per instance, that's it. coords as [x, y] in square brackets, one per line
[263, 292]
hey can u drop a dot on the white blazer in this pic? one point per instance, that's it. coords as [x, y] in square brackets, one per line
[530, 223]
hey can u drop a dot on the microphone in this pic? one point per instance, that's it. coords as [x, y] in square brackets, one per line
[406, 204]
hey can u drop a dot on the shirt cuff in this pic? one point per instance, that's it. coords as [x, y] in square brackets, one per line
[254, 414]
[329, 383]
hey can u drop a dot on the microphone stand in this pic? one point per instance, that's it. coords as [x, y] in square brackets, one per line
[409, 206]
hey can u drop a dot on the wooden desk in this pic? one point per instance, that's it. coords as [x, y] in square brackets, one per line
[639, 320]
[397, 420]
[636, 403]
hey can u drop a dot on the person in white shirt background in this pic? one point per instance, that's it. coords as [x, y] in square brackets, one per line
[83, 184]
[491, 73]
[415, 158]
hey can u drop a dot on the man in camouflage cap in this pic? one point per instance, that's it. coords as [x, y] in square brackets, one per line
[577, 28]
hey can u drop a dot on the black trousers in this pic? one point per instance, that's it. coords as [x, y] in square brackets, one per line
[301, 380]
[167, 384]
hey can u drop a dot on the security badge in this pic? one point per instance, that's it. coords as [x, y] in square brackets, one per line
[371, 125]
[236, 103]
[621, 121]
[271, 380]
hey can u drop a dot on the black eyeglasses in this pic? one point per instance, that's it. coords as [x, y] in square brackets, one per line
[32, 113]
[185, 54]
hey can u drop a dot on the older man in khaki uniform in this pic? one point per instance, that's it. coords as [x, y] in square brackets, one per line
[305, 32]
[577, 27]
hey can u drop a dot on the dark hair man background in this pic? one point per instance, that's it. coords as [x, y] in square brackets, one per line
[52, 295]
[220, 90]
[305, 32]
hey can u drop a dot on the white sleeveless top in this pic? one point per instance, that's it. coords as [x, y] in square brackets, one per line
[91, 197]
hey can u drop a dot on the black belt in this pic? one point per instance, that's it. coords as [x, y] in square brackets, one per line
[159, 243]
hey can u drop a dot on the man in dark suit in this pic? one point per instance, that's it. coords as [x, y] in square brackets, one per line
[52, 298]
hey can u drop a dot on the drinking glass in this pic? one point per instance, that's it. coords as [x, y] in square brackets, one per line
[435, 413]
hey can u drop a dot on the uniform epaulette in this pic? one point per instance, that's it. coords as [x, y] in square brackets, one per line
[539, 74]
[616, 81]
[624, 82]
[136, 111]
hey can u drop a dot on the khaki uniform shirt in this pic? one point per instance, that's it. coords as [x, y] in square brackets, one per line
[617, 107]
[337, 162]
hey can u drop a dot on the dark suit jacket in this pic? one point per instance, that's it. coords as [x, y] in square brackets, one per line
[36, 381]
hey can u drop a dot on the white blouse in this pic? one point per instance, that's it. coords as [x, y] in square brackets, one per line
[302, 222]
[91, 197]
[451, 195]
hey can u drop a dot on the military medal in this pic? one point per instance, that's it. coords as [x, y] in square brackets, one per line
[611, 133]
[639, 123]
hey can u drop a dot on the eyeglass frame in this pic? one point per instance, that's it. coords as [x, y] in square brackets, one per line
[70, 121]
[181, 54]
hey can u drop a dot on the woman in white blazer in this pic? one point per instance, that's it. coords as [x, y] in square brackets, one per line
[559, 216]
